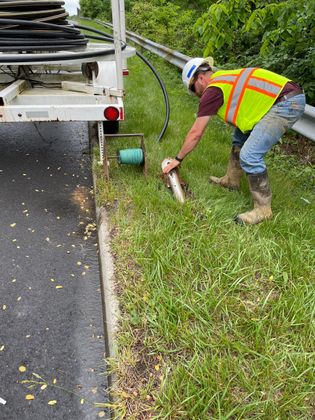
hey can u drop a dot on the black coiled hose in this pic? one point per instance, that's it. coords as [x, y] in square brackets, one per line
[38, 30]
[35, 26]
[52, 33]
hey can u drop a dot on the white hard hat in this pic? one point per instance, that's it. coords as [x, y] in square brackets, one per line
[192, 66]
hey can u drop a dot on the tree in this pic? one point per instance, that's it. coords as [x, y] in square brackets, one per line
[92, 8]
[279, 36]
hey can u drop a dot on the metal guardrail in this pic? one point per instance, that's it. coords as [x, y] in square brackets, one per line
[304, 126]
[172, 56]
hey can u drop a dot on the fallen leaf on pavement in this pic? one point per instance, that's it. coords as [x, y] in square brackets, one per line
[52, 402]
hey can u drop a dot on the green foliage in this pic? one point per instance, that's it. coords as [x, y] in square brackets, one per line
[288, 37]
[199, 5]
[92, 8]
[166, 23]
[278, 36]
[218, 27]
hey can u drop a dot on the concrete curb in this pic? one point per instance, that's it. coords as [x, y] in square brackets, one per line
[109, 299]
[111, 307]
[110, 302]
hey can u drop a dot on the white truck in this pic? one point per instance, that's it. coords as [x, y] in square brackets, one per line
[83, 85]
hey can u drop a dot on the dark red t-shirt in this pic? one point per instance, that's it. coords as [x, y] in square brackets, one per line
[210, 102]
[212, 99]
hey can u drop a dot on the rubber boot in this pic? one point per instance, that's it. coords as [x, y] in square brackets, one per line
[261, 193]
[232, 178]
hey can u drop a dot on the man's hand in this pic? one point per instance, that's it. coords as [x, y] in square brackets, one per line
[172, 165]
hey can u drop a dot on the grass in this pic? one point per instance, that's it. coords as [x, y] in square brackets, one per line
[217, 319]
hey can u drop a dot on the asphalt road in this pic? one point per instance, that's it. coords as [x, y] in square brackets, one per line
[51, 321]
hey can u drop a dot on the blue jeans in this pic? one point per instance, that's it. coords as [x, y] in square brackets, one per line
[266, 133]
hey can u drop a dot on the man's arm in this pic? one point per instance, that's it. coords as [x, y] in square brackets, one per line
[192, 139]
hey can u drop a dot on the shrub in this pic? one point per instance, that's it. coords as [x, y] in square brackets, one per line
[165, 23]
[92, 8]
[278, 36]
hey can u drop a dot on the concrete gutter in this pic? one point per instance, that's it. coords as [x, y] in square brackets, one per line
[110, 302]
[106, 261]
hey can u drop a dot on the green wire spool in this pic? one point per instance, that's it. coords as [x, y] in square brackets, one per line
[131, 157]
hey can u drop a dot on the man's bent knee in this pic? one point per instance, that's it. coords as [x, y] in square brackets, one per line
[251, 165]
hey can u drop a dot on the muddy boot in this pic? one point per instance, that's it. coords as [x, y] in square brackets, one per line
[261, 193]
[232, 178]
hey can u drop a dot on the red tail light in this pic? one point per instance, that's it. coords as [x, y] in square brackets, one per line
[111, 113]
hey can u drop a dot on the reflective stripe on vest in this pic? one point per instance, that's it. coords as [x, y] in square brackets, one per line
[230, 79]
[264, 86]
[240, 82]
[237, 94]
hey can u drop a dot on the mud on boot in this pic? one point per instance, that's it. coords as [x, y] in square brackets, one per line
[232, 178]
[261, 193]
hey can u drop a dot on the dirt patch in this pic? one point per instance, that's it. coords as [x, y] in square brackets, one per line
[138, 379]
[299, 146]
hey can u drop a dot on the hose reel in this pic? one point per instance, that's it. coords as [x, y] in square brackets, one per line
[130, 156]
[37, 32]
[36, 26]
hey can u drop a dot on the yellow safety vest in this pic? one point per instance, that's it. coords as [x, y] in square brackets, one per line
[248, 94]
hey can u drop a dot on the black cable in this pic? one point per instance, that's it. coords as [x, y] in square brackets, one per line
[165, 95]
[68, 31]
[41, 25]
[25, 27]
[48, 29]
[97, 31]
[147, 62]
[35, 21]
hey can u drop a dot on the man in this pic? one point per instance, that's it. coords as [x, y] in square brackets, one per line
[261, 105]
